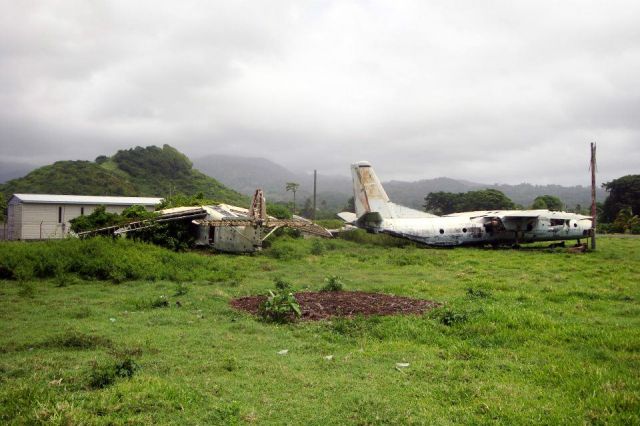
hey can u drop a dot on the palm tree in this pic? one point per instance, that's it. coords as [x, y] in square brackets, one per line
[293, 187]
[626, 220]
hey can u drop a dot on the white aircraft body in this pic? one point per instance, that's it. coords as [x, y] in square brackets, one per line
[375, 213]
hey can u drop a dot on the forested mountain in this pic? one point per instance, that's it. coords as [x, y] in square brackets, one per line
[154, 171]
[150, 171]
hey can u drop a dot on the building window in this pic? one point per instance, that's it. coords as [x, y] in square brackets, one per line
[60, 214]
[81, 211]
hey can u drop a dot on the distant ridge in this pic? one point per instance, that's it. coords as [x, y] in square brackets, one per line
[244, 174]
[150, 171]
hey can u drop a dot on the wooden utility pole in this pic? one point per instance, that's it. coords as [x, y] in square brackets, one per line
[315, 181]
[593, 167]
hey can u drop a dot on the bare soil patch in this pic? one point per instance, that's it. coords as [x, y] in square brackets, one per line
[320, 305]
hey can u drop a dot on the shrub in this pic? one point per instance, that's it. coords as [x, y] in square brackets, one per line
[317, 248]
[285, 249]
[332, 283]
[282, 306]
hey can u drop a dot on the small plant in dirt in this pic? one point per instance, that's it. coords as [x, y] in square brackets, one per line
[332, 283]
[105, 375]
[281, 306]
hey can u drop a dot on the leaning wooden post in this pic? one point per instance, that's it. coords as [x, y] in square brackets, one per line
[593, 195]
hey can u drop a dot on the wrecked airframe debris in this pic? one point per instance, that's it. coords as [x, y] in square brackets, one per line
[223, 227]
[376, 214]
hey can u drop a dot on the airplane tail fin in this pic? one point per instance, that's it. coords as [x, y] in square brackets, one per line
[368, 194]
[370, 200]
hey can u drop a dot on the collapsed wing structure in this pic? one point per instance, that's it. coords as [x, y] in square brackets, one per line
[376, 213]
[223, 226]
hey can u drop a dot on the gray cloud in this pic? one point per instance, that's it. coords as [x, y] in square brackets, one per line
[495, 91]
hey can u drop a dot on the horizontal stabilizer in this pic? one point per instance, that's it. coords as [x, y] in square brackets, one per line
[348, 217]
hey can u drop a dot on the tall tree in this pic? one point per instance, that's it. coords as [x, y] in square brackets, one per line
[448, 202]
[293, 187]
[623, 192]
[550, 202]
[443, 202]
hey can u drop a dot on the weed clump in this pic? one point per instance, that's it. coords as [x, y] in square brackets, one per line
[181, 290]
[478, 293]
[280, 306]
[450, 317]
[160, 302]
[332, 283]
[76, 340]
[106, 374]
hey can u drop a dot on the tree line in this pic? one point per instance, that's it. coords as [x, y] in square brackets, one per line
[618, 213]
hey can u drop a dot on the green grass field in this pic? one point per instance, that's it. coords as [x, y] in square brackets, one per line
[529, 336]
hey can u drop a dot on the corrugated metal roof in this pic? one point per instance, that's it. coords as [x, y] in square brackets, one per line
[86, 199]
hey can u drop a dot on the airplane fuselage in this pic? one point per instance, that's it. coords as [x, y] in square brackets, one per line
[468, 230]
[376, 213]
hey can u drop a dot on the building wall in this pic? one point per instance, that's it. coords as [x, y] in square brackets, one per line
[34, 221]
[14, 221]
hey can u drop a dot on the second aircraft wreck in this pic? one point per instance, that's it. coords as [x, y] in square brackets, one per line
[222, 227]
[375, 213]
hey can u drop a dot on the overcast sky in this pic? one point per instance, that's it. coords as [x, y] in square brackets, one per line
[489, 91]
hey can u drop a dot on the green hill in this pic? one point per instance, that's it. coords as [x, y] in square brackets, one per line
[150, 171]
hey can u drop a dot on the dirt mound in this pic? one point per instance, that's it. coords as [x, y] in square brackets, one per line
[320, 305]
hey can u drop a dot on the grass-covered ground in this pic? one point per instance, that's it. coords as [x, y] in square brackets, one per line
[529, 336]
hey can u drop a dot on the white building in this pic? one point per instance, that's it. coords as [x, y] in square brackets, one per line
[44, 216]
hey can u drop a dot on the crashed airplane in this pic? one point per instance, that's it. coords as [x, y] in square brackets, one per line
[376, 214]
[222, 227]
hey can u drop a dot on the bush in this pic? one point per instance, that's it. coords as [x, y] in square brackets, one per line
[285, 249]
[317, 248]
[332, 283]
[282, 306]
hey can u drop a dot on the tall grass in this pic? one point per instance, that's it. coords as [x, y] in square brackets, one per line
[106, 259]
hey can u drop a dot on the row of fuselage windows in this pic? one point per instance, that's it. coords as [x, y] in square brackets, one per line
[60, 213]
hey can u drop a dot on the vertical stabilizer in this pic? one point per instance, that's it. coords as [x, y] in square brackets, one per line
[368, 194]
